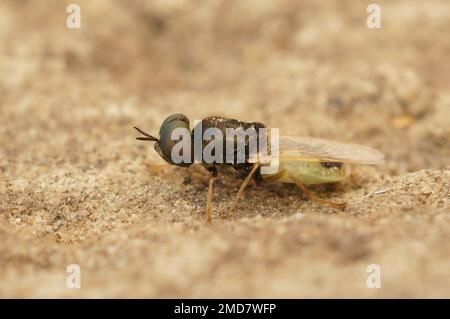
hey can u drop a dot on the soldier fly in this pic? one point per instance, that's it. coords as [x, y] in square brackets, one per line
[302, 160]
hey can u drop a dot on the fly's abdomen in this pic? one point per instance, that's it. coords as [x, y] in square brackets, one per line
[309, 172]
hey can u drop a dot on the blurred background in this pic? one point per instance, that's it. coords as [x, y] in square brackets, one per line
[308, 67]
[72, 176]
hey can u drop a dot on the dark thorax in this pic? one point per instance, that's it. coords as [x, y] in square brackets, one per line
[235, 169]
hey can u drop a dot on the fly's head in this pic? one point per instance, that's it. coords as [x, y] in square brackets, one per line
[165, 143]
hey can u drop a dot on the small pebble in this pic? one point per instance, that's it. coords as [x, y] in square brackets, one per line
[427, 190]
[187, 180]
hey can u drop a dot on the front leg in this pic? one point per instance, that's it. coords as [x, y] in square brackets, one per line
[209, 197]
[241, 190]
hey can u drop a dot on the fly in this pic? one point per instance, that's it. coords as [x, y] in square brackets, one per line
[301, 160]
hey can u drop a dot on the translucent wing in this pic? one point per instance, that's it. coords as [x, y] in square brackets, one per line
[315, 149]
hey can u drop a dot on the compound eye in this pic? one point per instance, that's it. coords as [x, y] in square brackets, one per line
[171, 123]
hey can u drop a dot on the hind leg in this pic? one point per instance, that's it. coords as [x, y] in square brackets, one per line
[273, 179]
[313, 196]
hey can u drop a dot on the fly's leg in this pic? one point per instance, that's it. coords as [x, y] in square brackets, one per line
[273, 179]
[241, 190]
[155, 168]
[209, 197]
[313, 196]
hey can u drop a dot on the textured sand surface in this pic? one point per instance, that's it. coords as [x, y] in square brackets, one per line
[76, 188]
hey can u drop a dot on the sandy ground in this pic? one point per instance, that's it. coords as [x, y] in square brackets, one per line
[76, 188]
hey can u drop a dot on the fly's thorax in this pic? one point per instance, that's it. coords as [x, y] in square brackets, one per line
[238, 140]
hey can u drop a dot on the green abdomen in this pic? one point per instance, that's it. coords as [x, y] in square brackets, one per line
[312, 172]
